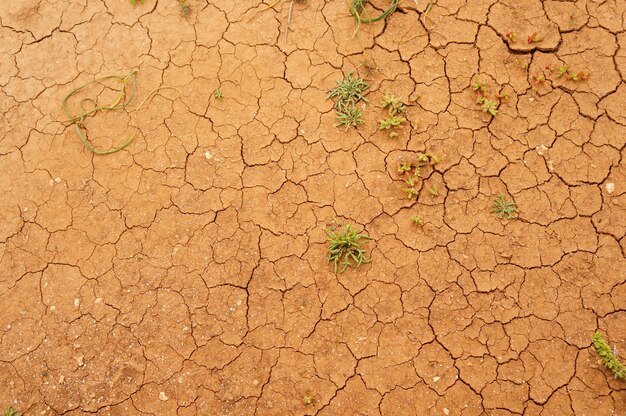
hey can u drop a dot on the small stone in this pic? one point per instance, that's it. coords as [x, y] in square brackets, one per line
[255, 383]
[436, 379]
[76, 302]
[57, 180]
[610, 187]
[541, 149]
[446, 411]
[61, 379]
[80, 361]
[208, 155]
[163, 397]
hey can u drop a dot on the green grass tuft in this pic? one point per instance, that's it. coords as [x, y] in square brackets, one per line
[608, 358]
[345, 249]
[503, 207]
[11, 412]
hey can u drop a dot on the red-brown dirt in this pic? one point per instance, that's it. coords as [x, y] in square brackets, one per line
[187, 274]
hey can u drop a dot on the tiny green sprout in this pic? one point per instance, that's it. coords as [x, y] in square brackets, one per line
[503, 207]
[393, 104]
[185, 8]
[345, 249]
[391, 121]
[308, 400]
[433, 190]
[417, 220]
[562, 70]
[349, 117]
[11, 412]
[404, 167]
[217, 94]
[479, 86]
[410, 192]
[488, 106]
[608, 357]
[348, 92]
[434, 160]
[511, 36]
[134, 2]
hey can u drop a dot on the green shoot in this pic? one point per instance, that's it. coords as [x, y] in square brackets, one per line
[345, 249]
[503, 207]
[11, 412]
[608, 357]
[391, 121]
[308, 400]
[410, 192]
[562, 70]
[417, 220]
[133, 2]
[185, 7]
[488, 106]
[479, 86]
[393, 104]
[217, 94]
[348, 92]
[349, 117]
[433, 190]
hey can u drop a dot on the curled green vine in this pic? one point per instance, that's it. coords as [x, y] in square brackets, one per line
[120, 103]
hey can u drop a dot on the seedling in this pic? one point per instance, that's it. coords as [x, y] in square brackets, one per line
[11, 412]
[578, 76]
[523, 64]
[349, 117]
[185, 7]
[345, 249]
[357, 9]
[503, 207]
[308, 400]
[133, 2]
[562, 70]
[417, 220]
[479, 87]
[411, 171]
[217, 94]
[348, 92]
[608, 357]
[393, 104]
[534, 38]
[538, 78]
[511, 36]
[391, 121]
[488, 106]
[433, 190]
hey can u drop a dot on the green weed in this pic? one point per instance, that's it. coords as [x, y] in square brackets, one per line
[433, 190]
[348, 92]
[185, 7]
[411, 171]
[217, 94]
[391, 121]
[345, 249]
[349, 117]
[479, 86]
[503, 207]
[133, 2]
[608, 358]
[308, 400]
[488, 106]
[417, 220]
[11, 412]
[392, 104]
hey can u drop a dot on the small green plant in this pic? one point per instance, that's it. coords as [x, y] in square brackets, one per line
[345, 249]
[348, 92]
[133, 2]
[357, 9]
[392, 104]
[410, 172]
[185, 7]
[391, 121]
[503, 207]
[433, 190]
[417, 220]
[349, 117]
[308, 400]
[488, 106]
[11, 412]
[217, 94]
[534, 38]
[511, 36]
[479, 86]
[608, 357]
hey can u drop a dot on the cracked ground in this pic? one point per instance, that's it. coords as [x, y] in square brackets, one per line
[187, 274]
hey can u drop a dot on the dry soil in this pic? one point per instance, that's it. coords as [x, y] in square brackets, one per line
[187, 274]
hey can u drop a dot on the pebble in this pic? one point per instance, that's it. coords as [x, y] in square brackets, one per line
[610, 187]
[163, 397]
